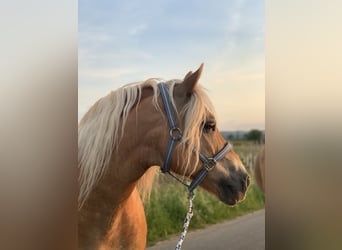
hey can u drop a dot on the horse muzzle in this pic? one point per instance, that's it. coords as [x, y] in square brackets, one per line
[233, 191]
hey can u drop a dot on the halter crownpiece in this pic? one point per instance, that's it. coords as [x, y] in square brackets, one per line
[176, 135]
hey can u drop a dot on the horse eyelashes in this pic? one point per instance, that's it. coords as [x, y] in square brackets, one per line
[208, 127]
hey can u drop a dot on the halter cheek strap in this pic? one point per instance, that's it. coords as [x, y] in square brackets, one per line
[176, 135]
[175, 132]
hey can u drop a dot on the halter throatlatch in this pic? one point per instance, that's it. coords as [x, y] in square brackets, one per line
[176, 135]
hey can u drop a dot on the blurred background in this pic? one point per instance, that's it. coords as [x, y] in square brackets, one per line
[39, 111]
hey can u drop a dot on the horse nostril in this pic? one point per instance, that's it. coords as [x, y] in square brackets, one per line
[248, 180]
[245, 183]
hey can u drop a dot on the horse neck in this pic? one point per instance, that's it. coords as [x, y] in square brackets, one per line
[103, 208]
[137, 151]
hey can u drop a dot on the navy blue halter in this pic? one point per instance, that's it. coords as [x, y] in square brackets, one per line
[176, 135]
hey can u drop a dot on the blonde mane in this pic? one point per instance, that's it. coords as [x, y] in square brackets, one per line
[102, 127]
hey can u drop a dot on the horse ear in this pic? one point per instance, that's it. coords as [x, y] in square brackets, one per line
[187, 75]
[190, 81]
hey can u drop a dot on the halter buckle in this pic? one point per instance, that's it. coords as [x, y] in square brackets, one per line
[176, 133]
[210, 164]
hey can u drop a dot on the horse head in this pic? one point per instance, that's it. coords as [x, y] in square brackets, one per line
[224, 175]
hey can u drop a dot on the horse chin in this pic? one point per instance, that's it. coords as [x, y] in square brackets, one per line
[230, 197]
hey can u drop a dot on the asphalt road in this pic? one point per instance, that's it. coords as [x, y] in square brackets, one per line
[244, 233]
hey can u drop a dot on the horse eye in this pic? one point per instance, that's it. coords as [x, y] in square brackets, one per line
[209, 126]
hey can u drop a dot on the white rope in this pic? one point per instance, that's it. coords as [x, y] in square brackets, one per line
[186, 221]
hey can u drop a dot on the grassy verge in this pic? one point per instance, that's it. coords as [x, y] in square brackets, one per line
[168, 206]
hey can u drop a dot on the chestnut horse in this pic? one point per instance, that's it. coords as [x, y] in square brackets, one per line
[124, 135]
[259, 169]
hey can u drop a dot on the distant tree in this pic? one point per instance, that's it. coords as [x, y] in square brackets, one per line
[254, 135]
[230, 137]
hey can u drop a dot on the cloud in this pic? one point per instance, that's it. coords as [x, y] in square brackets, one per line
[235, 22]
[94, 36]
[110, 73]
[137, 29]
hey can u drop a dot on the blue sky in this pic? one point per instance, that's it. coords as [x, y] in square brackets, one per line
[128, 41]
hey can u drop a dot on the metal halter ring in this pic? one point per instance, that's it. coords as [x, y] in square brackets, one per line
[176, 133]
[210, 164]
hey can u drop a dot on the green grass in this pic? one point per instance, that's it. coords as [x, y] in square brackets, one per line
[168, 204]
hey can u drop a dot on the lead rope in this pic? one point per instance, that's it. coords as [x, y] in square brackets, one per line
[187, 220]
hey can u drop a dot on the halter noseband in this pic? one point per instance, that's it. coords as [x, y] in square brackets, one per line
[176, 135]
